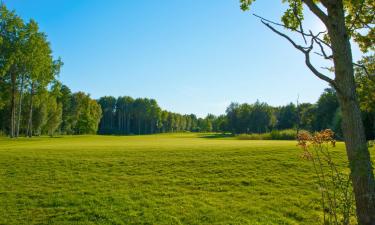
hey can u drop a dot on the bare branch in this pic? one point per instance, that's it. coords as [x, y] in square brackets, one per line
[323, 52]
[317, 11]
[295, 30]
[327, 68]
[306, 51]
[299, 47]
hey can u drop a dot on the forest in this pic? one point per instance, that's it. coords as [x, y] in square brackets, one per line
[126, 115]
[34, 102]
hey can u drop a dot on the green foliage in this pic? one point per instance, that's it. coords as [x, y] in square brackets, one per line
[287, 117]
[245, 118]
[366, 94]
[86, 114]
[366, 85]
[360, 19]
[126, 115]
[293, 15]
[326, 109]
[26, 65]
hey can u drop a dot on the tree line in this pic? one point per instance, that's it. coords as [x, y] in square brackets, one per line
[125, 115]
[324, 114]
[128, 116]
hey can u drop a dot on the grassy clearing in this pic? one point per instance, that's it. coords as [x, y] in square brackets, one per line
[160, 179]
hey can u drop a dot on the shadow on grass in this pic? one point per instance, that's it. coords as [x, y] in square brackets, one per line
[214, 136]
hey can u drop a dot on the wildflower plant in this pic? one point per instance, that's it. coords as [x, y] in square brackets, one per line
[334, 184]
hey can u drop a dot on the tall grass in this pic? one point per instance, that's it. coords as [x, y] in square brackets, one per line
[289, 134]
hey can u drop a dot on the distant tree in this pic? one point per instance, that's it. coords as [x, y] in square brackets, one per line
[123, 114]
[86, 114]
[307, 113]
[139, 113]
[260, 118]
[287, 117]
[232, 117]
[336, 124]
[245, 118]
[220, 124]
[65, 99]
[366, 94]
[207, 124]
[326, 109]
[155, 116]
[108, 107]
[54, 116]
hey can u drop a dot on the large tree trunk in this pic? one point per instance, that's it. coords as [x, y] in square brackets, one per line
[353, 129]
[359, 158]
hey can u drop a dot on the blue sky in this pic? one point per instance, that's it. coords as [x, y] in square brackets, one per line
[192, 56]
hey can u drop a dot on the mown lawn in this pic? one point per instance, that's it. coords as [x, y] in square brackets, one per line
[159, 179]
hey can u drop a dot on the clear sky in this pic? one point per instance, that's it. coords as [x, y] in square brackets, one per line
[192, 56]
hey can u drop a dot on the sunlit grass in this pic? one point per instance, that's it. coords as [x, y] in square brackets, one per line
[159, 179]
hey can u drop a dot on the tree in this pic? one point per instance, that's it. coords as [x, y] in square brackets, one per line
[260, 117]
[232, 117]
[366, 94]
[108, 105]
[54, 115]
[40, 66]
[86, 114]
[65, 99]
[154, 115]
[326, 109]
[11, 31]
[344, 21]
[206, 124]
[287, 117]
[307, 116]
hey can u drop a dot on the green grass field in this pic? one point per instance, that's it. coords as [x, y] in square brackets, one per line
[160, 179]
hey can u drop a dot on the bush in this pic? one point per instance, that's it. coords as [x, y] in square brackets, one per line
[273, 135]
[265, 136]
[284, 134]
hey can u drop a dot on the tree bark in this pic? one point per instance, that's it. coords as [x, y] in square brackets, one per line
[353, 129]
[118, 121]
[29, 132]
[139, 126]
[128, 124]
[13, 104]
[20, 107]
